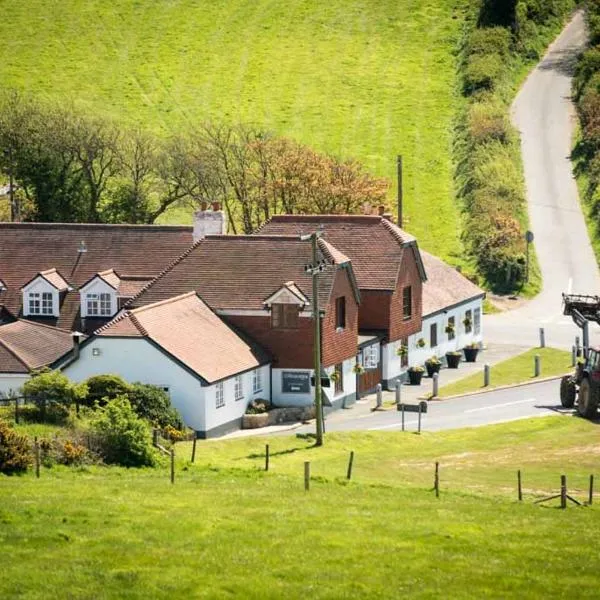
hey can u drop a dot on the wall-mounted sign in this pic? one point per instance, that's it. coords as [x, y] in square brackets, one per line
[295, 382]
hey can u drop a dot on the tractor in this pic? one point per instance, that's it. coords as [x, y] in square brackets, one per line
[584, 384]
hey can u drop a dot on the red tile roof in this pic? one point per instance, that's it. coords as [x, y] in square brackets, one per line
[27, 249]
[241, 271]
[445, 286]
[189, 331]
[374, 244]
[25, 346]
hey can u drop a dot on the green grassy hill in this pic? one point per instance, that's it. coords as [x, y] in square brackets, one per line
[359, 79]
[228, 529]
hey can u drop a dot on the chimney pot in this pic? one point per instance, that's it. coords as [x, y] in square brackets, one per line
[203, 205]
[381, 210]
[216, 206]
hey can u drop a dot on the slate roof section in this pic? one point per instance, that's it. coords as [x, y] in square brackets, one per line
[27, 249]
[445, 286]
[241, 272]
[374, 244]
[185, 328]
[26, 346]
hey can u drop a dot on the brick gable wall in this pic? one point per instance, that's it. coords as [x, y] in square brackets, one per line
[339, 346]
[293, 348]
[409, 275]
[374, 309]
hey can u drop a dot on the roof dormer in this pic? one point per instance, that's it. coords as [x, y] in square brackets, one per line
[286, 304]
[41, 296]
[288, 293]
[99, 295]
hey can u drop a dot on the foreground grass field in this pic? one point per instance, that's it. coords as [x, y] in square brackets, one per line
[226, 529]
[519, 369]
[368, 80]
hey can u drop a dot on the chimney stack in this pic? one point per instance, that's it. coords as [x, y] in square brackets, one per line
[209, 222]
[76, 341]
[381, 210]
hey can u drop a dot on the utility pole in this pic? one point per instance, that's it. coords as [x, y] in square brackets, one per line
[400, 193]
[314, 269]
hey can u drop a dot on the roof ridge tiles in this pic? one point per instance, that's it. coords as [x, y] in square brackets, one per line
[253, 237]
[138, 325]
[33, 225]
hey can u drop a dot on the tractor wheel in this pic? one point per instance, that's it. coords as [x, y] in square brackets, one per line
[568, 392]
[587, 403]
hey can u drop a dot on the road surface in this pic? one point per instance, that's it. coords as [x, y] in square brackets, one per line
[545, 116]
[533, 400]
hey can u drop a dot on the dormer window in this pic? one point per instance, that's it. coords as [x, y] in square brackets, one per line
[99, 305]
[286, 304]
[284, 316]
[40, 303]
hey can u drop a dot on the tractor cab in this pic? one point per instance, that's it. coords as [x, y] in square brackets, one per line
[591, 367]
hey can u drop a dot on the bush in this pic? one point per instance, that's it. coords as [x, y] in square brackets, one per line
[103, 388]
[488, 122]
[483, 72]
[490, 40]
[15, 453]
[53, 393]
[257, 407]
[123, 438]
[153, 404]
[63, 452]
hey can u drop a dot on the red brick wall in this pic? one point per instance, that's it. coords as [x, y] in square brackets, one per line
[337, 347]
[409, 275]
[291, 348]
[374, 309]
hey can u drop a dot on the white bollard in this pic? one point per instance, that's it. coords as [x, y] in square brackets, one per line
[436, 384]
[536, 366]
[379, 398]
[486, 375]
[542, 338]
[398, 387]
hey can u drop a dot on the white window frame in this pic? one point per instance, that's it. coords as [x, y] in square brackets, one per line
[238, 387]
[40, 303]
[219, 395]
[98, 304]
[371, 356]
[257, 381]
[477, 321]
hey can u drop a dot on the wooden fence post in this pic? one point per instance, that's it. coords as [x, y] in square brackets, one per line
[194, 447]
[37, 458]
[307, 475]
[172, 465]
[436, 480]
[563, 491]
[266, 457]
[350, 463]
[17, 410]
[591, 492]
[519, 487]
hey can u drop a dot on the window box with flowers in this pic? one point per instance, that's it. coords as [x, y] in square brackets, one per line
[415, 374]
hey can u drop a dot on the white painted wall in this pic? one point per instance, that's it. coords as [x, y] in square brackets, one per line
[38, 286]
[417, 356]
[279, 398]
[349, 380]
[234, 409]
[391, 361]
[97, 286]
[11, 381]
[135, 359]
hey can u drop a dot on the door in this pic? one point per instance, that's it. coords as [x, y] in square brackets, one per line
[370, 359]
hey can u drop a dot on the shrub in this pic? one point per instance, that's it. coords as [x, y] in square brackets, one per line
[257, 407]
[153, 404]
[102, 388]
[53, 393]
[490, 40]
[487, 122]
[15, 453]
[483, 72]
[123, 438]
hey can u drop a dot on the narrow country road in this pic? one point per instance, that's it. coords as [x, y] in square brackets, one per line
[545, 116]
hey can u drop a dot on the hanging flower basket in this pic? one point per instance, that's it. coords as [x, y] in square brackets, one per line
[402, 350]
[420, 343]
[358, 369]
[449, 329]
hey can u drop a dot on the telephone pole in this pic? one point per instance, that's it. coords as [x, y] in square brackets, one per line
[314, 269]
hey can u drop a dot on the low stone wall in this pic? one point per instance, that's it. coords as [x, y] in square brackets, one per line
[277, 416]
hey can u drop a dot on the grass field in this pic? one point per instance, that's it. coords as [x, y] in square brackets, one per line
[360, 79]
[519, 369]
[226, 529]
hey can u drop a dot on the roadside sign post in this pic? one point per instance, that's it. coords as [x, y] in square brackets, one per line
[528, 238]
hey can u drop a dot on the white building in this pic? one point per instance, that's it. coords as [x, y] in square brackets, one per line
[180, 345]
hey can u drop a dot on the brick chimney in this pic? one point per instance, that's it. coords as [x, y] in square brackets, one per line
[209, 221]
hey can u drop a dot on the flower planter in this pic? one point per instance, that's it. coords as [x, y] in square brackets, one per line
[414, 377]
[470, 354]
[432, 368]
[452, 359]
[255, 421]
